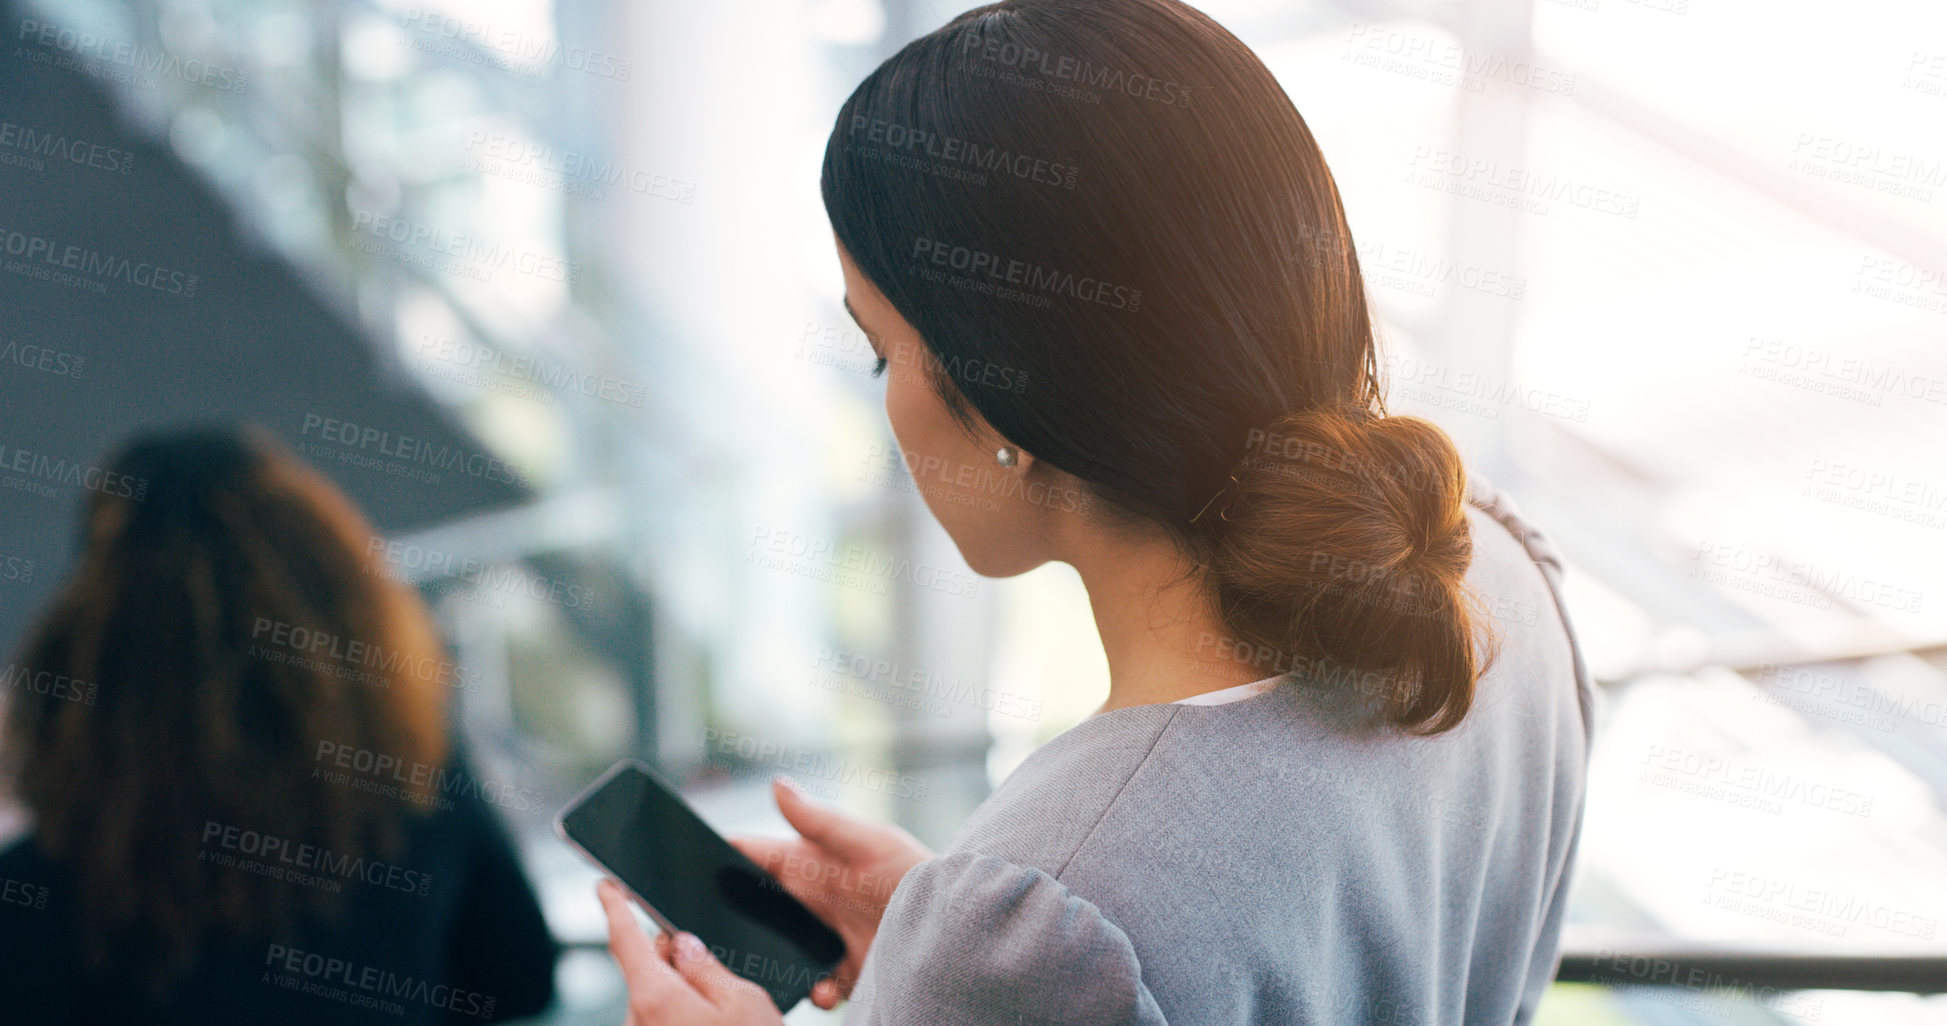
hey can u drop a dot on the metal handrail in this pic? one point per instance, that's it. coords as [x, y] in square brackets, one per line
[1716, 970]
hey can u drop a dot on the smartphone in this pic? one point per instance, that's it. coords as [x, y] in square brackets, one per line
[688, 877]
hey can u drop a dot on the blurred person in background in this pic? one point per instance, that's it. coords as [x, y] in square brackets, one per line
[1339, 775]
[245, 807]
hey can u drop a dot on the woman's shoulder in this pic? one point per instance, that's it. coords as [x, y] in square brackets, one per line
[1516, 576]
[1500, 507]
[1044, 811]
[459, 798]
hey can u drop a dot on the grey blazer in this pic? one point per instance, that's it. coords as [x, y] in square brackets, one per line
[1271, 860]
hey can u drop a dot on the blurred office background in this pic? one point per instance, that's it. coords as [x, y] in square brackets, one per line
[1674, 272]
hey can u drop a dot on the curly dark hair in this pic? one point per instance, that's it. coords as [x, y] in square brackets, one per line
[193, 696]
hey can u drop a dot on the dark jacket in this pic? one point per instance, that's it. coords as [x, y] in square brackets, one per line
[472, 948]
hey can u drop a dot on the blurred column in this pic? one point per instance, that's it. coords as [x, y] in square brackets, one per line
[1476, 327]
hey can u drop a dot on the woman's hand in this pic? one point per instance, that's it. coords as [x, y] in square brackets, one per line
[675, 981]
[843, 869]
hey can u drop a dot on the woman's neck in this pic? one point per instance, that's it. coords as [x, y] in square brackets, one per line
[1158, 622]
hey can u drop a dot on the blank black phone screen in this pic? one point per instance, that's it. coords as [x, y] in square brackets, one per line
[647, 836]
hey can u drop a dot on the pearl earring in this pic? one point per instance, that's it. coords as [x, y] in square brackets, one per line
[1006, 456]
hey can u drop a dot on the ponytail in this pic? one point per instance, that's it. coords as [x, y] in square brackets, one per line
[1343, 537]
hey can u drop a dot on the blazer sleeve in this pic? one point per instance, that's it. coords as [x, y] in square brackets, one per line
[1547, 556]
[974, 939]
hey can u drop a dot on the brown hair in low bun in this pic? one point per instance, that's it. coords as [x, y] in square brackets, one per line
[1343, 538]
[1143, 328]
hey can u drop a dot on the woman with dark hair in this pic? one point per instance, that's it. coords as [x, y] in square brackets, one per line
[1339, 774]
[229, 730]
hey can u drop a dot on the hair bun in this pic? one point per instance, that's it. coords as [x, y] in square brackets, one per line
[1344, 537]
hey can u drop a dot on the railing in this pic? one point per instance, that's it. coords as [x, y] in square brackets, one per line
[1729, 969]
[1719, 969]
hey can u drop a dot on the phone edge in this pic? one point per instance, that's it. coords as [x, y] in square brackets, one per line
[561, 831]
